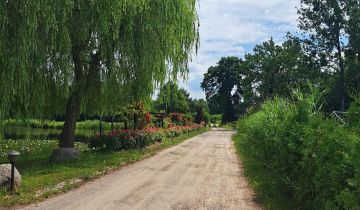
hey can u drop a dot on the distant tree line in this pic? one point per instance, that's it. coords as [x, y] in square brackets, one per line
[326, 56]
[173, 99]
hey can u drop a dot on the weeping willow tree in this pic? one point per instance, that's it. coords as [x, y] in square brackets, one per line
[60, 56]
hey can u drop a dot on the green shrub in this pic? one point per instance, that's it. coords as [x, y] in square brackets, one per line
[298, 156]
[353, 114]
[216, 119]
[116, 143]
[188, 118]
[98, 141]
[207, 117]
[134, 139]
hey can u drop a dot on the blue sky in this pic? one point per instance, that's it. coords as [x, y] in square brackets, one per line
[233, 28]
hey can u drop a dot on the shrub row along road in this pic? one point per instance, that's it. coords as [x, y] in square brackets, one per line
[201, 173]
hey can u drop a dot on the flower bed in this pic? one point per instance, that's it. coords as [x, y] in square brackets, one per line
[133, 139]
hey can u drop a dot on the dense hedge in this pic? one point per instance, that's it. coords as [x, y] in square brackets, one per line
[296, 155]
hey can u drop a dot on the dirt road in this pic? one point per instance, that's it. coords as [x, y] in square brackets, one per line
[201, 173]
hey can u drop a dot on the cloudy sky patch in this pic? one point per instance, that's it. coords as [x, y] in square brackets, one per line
[233, 28]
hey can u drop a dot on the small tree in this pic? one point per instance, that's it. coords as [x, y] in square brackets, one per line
[172, 99]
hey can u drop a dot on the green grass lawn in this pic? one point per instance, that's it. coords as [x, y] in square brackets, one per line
[40, 176]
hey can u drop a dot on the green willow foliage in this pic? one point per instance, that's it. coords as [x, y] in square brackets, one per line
[140, 44]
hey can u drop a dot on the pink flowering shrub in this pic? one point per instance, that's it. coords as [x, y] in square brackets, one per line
[176, 118]
[178, 130]
[133, 139]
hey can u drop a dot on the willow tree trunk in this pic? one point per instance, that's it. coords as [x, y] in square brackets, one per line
[72, 113]
[82, 83]
[66, 148]
[73, 103]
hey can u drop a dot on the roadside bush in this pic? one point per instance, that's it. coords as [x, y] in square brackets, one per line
[167, 122]
[176, 118]
[134, 139]
[297, 155]
[188, 119]
[216, 119]
[232, 125]
[353, 114]
[175, 131]
[126, 139]
[207, 117]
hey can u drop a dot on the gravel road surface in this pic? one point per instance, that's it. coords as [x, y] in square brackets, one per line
[201, 173]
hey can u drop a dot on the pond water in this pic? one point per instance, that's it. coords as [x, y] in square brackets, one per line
[18, 133]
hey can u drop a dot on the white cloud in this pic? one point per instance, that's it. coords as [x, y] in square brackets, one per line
[233, 27]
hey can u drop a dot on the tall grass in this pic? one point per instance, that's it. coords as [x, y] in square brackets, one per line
[297, 158]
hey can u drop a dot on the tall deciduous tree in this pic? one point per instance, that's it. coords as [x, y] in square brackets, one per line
[196, 104]
[219, 84]
[353, 49]
[333, 26]
[236, 85]
[275, 70]
[62, 49]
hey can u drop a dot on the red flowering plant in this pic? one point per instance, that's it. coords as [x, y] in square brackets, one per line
[178, 130]
[153, 134]
[137, 116]
[176, 118]
[148, 118]
[133, 139]
[188, 119]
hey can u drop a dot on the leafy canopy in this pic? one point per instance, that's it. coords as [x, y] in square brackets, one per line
[333, 28]
[139, 44]
[172, 98]
[234, 86]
